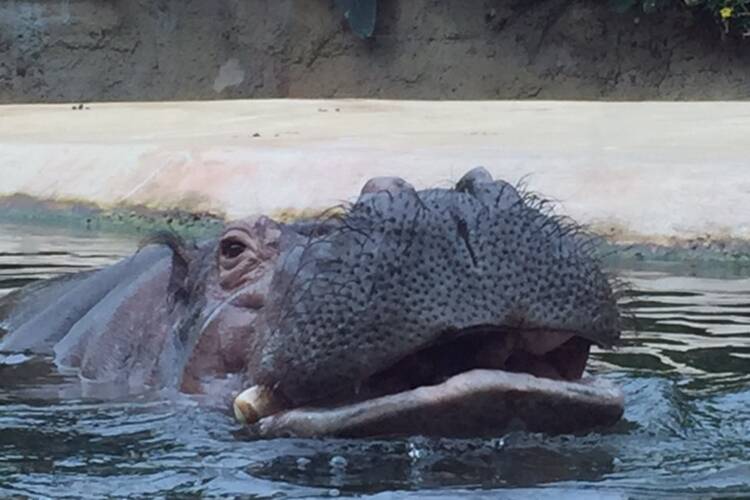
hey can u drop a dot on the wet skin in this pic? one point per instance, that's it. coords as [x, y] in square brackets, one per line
[445, 311]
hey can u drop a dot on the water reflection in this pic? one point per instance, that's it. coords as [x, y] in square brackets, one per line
[420, 463]
[686, 430]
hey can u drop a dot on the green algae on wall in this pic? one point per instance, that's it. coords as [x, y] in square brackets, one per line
[20, 208]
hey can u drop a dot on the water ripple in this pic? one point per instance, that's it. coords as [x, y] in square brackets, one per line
[684, 367]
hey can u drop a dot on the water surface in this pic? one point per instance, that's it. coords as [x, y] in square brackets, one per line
[686, 431]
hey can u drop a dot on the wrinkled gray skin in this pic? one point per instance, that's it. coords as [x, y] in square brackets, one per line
[405, 289]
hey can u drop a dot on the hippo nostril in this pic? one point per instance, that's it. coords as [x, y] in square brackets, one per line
[472, 178]
[391, 184]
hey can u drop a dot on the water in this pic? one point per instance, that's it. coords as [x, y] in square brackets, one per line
[686, 431]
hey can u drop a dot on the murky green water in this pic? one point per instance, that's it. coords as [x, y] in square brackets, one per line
[686, 431]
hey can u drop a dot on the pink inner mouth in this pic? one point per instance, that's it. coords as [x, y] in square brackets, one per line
[546, 354]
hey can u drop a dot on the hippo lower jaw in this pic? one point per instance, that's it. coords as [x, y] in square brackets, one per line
[474, 403]
[484, 381]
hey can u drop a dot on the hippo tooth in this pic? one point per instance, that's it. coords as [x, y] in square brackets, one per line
[255, 403]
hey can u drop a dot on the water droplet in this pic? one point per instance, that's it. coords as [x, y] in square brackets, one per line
[414, 452]
[338, 462]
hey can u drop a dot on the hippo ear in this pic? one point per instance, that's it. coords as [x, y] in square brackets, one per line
[177, 289]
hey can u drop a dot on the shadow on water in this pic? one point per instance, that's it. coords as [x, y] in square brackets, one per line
[686, 432]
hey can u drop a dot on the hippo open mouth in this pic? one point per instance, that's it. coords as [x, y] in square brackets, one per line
[484, 381]
[453, 312]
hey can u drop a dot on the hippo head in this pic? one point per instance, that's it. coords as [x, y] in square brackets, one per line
[407, 289]
[445, 311]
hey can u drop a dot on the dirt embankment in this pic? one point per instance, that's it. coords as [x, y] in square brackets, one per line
[92, 50]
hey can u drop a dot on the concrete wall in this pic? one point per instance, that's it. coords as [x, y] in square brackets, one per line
[105, 50]
[639, 172]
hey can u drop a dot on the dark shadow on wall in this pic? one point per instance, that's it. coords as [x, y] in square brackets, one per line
[361, 15]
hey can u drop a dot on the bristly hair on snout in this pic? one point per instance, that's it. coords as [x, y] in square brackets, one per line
[590, 246]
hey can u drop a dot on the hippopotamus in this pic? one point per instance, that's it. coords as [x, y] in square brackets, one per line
[461, 311]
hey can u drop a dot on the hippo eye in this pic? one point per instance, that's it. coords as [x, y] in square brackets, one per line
[232, 248]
